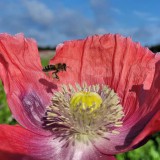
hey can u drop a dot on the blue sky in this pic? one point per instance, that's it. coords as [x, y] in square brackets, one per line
[53, 21]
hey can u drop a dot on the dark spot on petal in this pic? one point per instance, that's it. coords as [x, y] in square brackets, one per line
[156, 80]
[140, 93]
[3, 61]
[141, 143]
[135, 131]
[14, 156]
[152, 102]
[34, 107]
[49, 85]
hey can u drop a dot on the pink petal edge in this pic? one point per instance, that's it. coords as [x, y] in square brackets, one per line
[126, 67]
[17, 142]
[28, 89]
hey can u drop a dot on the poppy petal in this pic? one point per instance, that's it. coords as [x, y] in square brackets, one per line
[19, 142]
[88, 152]
[126, 67]
[129, 136]
[23, 144]
[152, 106]
[137, 129]
[108, 59]
[24, 82]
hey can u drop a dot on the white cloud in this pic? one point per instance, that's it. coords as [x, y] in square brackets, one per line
[146, 35]
[141, 14]
[72, 24]
[50, 27]
[39, 12]
[101, 11]
[101, 30]
[146, 16]
[153, 19]
[117, 11]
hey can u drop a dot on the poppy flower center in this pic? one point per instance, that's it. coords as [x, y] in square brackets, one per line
[84, 101]
[84, 111]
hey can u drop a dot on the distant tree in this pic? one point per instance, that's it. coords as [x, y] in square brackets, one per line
[46, 48]
[155, 48]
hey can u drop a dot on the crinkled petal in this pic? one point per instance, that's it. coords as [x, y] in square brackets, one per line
[151, 107]
[20, 143]
[128, 68]
[88, 152]
[23, 144]
[128, 138]
[142, 123]
[109, 59]
[27, 87]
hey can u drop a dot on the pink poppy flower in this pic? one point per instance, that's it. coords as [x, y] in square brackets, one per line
[106, 102]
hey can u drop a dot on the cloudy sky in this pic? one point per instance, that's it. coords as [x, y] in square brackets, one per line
[53, 21]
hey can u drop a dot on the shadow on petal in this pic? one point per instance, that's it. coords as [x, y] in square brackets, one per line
[140, 93]
[149, 101]
[14, 156]
[135, 131]
[3, 61]
[49, 85]
[157, 76]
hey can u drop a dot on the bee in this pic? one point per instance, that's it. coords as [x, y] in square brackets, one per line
[55, 68]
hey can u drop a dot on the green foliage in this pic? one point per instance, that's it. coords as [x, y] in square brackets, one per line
[45, 61]
[5, 114]
[150, 151]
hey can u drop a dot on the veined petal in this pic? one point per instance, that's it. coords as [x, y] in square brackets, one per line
[108, 59]
[130, 136]
[23, 144]
[128, 68]
[27, 87]
[152, 106]
[141, 124]
[89, 152]
[19, 142]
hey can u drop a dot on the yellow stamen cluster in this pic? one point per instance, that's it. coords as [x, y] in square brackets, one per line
[85, 100]
[84, 111]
